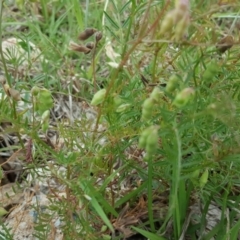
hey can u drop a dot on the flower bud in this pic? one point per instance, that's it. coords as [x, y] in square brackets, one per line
[98, 97]
[183, 97]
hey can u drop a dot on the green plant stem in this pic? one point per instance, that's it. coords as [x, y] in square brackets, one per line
[1, 50]
[150, 193]
[13, 103]
[129, 27]
[175, 183]
[125, 58]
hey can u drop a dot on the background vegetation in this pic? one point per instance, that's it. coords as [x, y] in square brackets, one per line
[162, 82]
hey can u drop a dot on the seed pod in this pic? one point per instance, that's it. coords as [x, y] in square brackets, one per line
[123, 107]
[167, 23]
[45, 120]
[98, 36]
[87, 33]
[6, 88]
[225, 43]
[172, 83]
[35, 90]
[15, 94]
[183, 97]
[181, 28]
[143, 137]
[152, 142]
[148, 104]
[43, 101]
[90, 45]
[11, 92]
[117, 101]
[146, 114]
[211, 71]
[45, 126]
[147, 109]
[203, 179]
[195, 174]
[182, 4]
[156, 94]
[45, 116]
[98, 97]
[79, 48]
[2, 212]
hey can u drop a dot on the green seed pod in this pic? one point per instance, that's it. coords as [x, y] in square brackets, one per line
[152, 142]
[203, 179]
[143, 138]
[117, 101]
[167, 23]
[45, 116]
[3, 211]
[45, 126]
[123, 107]
[148, 104]
[42, 100]
[146, 115]
[183, 97]
[35, 90]
[147, 109]
[211, 71]
[181, 28]
[195, 174]
[156, 94]
[98, 97]
[172, 83]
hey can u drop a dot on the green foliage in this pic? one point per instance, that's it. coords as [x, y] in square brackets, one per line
[169, 106]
